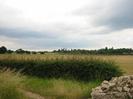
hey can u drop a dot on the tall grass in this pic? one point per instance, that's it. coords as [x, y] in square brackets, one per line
[9, 85]
[14, 86]
[79, 67]
[60, 88]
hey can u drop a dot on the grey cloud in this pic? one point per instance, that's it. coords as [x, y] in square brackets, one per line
[118, 16]
[113, 14]
[23, 33]
[46, 43]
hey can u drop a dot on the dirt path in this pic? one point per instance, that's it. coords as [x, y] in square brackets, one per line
[31, 95]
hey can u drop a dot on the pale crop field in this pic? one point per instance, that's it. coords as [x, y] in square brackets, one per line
[124, 61]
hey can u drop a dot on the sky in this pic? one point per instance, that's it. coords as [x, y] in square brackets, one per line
[72, 24]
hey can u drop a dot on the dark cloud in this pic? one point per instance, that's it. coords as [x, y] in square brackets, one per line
[29, 39]
[23, 33]
[56, 43]
[113, 14]
[118, 15]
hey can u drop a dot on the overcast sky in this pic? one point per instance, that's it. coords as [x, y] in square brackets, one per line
[53, 24]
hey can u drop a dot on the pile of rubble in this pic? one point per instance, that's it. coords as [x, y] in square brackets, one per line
[117, 88]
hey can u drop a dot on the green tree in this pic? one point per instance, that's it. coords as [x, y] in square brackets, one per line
[3, 49]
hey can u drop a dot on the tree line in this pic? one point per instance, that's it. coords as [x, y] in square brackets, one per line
[4, 50]
[104, 51]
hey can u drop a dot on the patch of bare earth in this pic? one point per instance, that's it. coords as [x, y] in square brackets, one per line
[31, 95]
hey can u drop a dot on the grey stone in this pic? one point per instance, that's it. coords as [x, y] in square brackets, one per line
[119, 89]
[116, 88]
[126, 89]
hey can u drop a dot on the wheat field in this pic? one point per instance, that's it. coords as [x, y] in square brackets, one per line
[124, 61]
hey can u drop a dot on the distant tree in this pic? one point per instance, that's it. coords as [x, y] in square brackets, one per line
[106, 48]
[33, 52]
[3, 49]
[27, 52]
[41, 52]
[10, 51]
[20, 51]
[105, 51]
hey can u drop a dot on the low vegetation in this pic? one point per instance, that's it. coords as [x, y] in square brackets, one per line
[102, 51]
[71, 67]
[53, 76]
[10, 82]
[60, 88]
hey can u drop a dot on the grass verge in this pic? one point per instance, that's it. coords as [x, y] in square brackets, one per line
[13, 86]
[10, 82]
[60, 88]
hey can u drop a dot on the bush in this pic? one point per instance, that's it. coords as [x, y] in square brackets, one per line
[79, 69]
[3, 49]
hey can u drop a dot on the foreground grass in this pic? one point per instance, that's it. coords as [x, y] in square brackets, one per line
[60, 88]
[14, 86]
[10, 82]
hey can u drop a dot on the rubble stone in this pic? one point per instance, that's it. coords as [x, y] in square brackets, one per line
[117, 88]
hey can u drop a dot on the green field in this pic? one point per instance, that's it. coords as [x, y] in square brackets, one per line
[51, 88]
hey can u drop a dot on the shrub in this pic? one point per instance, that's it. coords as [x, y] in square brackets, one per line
[79, 69]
